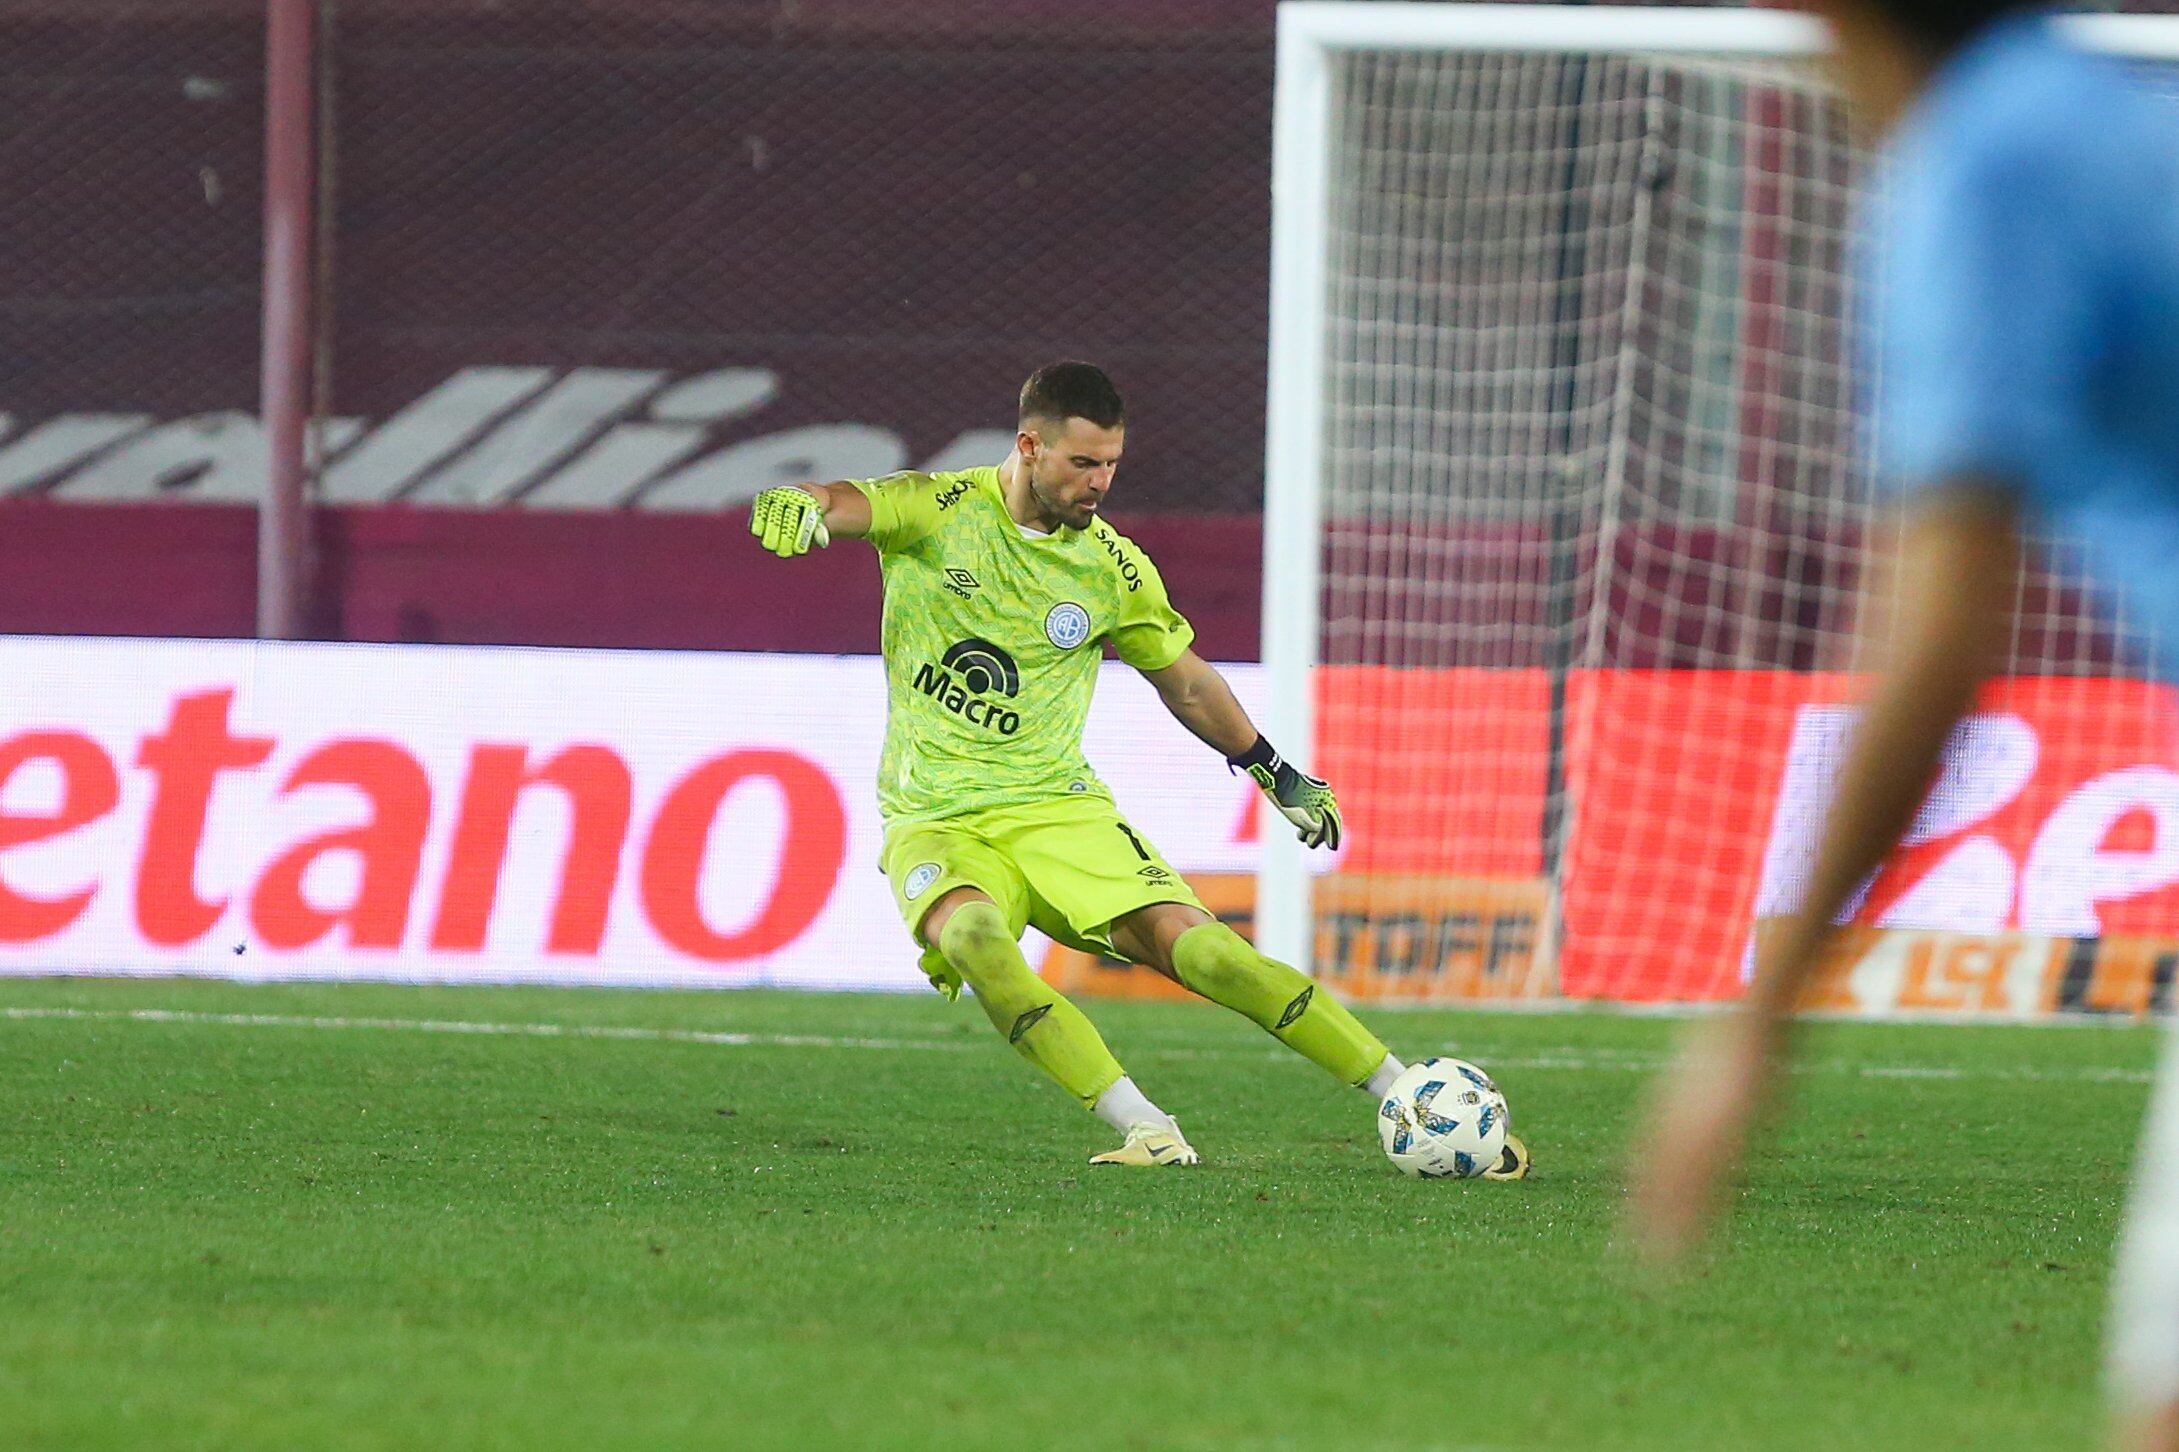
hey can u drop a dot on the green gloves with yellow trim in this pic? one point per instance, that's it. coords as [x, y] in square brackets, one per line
[789, 521]
[1304, 800]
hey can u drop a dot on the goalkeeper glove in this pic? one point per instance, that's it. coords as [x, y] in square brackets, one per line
[944, 978]
[1302, 799]
[789, 520]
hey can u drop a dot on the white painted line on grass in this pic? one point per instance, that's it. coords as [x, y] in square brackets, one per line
[1568, 1060]
[465, 1026]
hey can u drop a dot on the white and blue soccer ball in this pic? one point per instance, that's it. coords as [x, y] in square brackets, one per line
[1443, 1119]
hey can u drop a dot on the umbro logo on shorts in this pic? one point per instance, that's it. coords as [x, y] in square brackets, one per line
[1154, 873]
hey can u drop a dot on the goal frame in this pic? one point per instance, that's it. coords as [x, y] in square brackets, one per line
[1311, 34]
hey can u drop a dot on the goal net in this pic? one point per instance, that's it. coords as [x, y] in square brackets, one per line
[1568, 523]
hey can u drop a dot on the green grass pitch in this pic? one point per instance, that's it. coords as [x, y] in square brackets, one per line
[862, 1223]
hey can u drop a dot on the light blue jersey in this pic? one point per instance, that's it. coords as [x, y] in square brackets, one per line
[2026, 332]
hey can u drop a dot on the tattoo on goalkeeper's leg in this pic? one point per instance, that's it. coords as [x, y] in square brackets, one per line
[1043, 1027]
[1211, 959]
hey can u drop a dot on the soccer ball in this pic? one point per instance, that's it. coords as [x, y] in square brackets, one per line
[1444, 1119]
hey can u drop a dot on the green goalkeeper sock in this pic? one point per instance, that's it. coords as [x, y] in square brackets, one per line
[1050, 1032]
[1215, 961]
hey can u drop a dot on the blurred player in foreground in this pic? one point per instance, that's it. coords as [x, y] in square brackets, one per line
[2025, 244]
[1001, 586]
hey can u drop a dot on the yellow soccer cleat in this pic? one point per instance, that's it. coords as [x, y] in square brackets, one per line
[1151, 1144]
[1512, 1162]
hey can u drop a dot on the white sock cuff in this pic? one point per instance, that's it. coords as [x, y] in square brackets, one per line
[1123, 1106]
[1379, 1084]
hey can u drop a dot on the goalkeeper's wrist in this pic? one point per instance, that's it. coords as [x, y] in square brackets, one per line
[1260, 754]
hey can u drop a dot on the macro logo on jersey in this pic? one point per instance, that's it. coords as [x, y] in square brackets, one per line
[984, 667]
[966, 676]
[1067, 626]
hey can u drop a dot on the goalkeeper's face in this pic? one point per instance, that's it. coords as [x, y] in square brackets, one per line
[1071, 465]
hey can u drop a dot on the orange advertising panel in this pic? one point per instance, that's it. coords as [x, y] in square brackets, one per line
[2042, 874]
[1697, 797]
[1440, 772]
[1673, 777]
[1872, 971]
[1379, 940]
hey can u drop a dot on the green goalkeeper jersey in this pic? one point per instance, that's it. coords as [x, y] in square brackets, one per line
[992, 639]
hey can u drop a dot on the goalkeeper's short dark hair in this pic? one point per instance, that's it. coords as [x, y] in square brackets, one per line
[1073, 390]
[1943, 25]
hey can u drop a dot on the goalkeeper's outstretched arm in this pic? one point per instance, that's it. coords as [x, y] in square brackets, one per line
[1200, 700]
[795, 518]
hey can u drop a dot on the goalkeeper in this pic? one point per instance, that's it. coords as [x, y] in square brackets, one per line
[1001, 586]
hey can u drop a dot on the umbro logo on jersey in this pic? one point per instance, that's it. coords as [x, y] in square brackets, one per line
[1154, 873]
[960, 582]
[950, 497]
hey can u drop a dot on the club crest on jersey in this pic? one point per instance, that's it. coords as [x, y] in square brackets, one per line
[919, 880]
[1067, 626]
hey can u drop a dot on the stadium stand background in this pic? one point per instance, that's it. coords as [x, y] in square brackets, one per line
[596, 273]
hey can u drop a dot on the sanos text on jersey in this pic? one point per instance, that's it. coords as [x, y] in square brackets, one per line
[1129, 570]
[941, 687]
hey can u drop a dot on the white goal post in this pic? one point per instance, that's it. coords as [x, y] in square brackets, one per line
[1658, 322]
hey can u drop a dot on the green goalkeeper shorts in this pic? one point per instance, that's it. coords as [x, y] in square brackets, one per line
[1069, 867]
